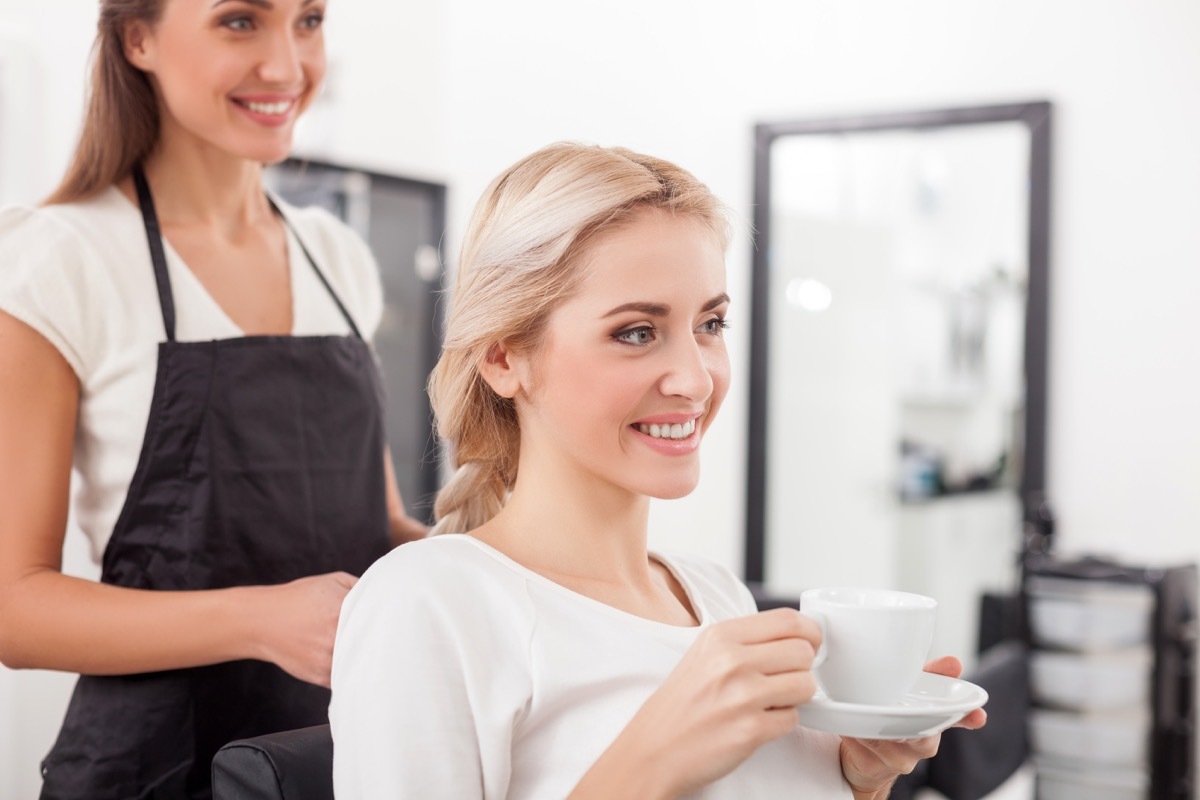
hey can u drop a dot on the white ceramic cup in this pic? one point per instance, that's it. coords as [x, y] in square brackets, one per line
[876, 642]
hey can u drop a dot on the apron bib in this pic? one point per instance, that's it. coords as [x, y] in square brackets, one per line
[262, 462]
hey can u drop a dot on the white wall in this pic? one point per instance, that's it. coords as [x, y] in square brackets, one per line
[457, 90]
[688, 79]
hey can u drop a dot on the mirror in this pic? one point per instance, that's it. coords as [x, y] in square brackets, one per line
[897, 400]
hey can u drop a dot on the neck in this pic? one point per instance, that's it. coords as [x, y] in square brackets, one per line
[197, 184]
[573, 525]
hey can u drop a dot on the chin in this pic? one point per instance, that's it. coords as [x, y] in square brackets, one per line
[255, 146]
[274, 158]
[673, 490]
[269, 155]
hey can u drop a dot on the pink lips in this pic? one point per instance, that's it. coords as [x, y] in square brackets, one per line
[272, 110]
[668, 446]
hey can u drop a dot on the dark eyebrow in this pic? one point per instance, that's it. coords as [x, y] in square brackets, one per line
[660, 310]
[720, 299]
[653, 309]
[265, 5]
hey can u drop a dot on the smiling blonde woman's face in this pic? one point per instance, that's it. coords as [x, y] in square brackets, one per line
[234, 75]
[633, 368]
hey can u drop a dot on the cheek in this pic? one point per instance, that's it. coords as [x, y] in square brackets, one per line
[718, 368]
[314, 63]
[192, 76]
[596, 390]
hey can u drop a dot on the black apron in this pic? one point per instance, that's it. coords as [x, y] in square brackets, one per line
[262, 462]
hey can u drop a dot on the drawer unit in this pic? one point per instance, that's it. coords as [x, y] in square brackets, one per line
[1092, 681]
[1112, 676]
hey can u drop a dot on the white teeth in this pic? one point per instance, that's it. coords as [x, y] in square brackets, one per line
[268, 108]
[676, 431]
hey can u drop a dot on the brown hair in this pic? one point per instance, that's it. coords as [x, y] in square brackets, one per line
[521, 258]
[121, 122]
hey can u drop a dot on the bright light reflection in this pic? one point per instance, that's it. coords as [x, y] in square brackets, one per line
[809, 294]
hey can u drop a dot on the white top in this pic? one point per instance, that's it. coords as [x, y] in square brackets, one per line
[80, 274]
[459, 674]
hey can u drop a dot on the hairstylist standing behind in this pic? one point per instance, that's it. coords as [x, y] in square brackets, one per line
[195, 350]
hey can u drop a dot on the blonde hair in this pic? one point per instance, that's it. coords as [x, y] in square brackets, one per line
[521, 258]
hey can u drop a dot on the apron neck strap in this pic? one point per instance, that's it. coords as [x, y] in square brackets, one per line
[320, 273]
[157, 256]
[159, 259]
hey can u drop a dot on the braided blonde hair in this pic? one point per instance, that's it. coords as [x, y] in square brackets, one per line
[520, 260]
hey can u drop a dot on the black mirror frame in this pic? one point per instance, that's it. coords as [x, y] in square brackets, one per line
[1037, 116]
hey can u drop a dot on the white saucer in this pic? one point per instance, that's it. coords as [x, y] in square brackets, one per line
[934, 704]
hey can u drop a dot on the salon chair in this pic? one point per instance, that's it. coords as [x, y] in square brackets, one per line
[291, 765]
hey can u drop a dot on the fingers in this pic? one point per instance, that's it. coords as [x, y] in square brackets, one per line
[787, 690]
[952, 667]
[949, 666]
[784, 655]
[780, 721]
[902, 756]
[344, 579]
[766, 626]
[973, 721]
[875, 761]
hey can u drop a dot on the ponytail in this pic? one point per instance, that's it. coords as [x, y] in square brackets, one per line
[121, 123]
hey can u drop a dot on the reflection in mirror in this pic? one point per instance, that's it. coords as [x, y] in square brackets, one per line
[898, 353]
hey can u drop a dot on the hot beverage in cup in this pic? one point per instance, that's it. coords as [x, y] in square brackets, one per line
[876, 642]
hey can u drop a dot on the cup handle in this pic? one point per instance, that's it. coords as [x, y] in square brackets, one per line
[822, 651]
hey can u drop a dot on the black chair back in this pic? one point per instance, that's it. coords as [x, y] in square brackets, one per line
[292, 765]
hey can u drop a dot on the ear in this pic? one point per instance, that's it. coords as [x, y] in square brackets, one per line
[505, 370]
[138, 44]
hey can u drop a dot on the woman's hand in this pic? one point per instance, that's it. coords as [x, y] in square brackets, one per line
[872, 765]
[735, 689]
[295, 623]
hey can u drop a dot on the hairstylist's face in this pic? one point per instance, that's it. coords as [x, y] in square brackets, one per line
[233, 74]
[633, 368]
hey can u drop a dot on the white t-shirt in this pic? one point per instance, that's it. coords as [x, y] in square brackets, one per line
[80, 275]
[459, 674]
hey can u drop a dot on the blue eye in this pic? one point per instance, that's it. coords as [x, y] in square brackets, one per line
[641, 335]
[240, 24]
[715, 326]
[312, 21]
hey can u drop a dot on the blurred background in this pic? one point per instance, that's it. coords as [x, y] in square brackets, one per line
[449, 92]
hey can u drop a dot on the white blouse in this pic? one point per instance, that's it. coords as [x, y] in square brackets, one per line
[459, 674]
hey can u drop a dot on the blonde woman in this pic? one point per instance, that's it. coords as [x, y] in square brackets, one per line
[536, 649]
[198, 354]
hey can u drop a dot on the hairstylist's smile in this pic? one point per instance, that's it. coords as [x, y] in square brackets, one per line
[269, 109]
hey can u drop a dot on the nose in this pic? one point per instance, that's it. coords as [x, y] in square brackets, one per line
[280, 62]
[689, 371]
